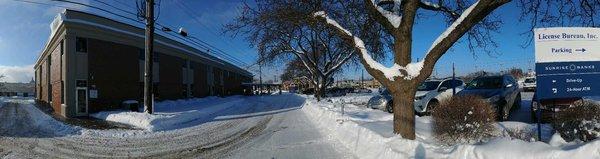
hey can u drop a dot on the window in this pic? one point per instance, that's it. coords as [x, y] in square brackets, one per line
[50, 93]
[62, 49]
[62, 92]
[184, 91]
[142, 55]
[191, 90]
[81, 44]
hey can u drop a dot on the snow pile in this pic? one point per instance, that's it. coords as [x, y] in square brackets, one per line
[23, 119]
[43, 122]
[369, 133]
[169, 115]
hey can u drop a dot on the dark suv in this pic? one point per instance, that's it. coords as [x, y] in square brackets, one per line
[500, 91]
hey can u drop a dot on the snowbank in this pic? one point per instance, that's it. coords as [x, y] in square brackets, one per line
[27, 120]
[169, 115]
[369, 134]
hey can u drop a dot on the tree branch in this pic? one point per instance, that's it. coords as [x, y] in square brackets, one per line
[469, 18]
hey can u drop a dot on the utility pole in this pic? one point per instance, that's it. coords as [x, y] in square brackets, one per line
[362, 78]
[148, 81]
[453, 79]
[260, 78]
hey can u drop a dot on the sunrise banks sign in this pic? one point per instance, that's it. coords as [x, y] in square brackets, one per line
[567, 62]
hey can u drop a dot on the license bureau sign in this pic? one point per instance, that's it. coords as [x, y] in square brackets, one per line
[567, 62]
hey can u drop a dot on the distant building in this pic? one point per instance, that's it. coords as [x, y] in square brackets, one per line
[17, 89]
[91, 63]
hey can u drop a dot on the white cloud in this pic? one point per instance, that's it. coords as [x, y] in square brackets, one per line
[16, 73]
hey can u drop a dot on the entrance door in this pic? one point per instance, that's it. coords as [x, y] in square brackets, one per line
[82, 101]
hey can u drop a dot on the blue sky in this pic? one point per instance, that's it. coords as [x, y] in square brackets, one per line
[25, 30]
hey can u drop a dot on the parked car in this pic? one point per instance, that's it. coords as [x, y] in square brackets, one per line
[431, 92]
[335, 92]
[362, 90]
[308, 91]
[383, 101]
[549, 107]
[502, 92]
[428, 95]
[529, 84]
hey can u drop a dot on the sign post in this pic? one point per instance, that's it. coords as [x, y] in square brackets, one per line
[567, 63]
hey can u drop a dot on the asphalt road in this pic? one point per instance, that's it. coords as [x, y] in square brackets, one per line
[264, 127]
[524, 113]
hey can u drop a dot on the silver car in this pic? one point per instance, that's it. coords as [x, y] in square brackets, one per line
[383, 101]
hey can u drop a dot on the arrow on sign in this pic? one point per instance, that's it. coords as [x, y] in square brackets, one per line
[580, 50]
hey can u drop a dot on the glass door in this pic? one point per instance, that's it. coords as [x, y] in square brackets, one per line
[82, 101]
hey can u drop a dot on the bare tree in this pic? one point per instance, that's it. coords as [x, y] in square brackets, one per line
[283, 30]
[558, 13]
[294, 69]
[398, 20]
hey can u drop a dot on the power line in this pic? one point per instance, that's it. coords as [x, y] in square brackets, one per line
[227, 56]
[203, 43]
[196, 18]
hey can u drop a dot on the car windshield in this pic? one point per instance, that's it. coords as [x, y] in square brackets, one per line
[385, 92]
[485, 83]
[530, 80]
[428, 86]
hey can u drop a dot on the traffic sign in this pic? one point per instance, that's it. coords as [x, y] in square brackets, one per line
[567, 62]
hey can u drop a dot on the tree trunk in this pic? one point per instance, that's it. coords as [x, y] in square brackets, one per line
[320, 91]
[404, 110]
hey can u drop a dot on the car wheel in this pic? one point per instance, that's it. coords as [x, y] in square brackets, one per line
[517, 103]
[431, 106]
[389, 108]
[501, 114]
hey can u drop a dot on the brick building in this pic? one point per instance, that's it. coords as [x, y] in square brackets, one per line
[91, 63]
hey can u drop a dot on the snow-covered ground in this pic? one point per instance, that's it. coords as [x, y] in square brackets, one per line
[279, 126]
[368, 133]
[170, 115]
[246, 127]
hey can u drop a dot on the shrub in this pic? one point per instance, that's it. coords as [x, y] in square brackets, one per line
[464, 119]
[580, 121]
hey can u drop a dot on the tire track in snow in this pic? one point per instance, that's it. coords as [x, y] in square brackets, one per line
[209, 140]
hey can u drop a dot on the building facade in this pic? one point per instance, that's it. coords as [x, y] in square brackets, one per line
[91, 63]
[17, 89]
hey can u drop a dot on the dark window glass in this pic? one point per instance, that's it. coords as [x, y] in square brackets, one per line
[184, 91]
[62, 50]
[62, 92]
[81, 44]
[428, 85]
[50, 93]
[447, 84]
[141, 54]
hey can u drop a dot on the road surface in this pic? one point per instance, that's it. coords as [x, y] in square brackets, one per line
[269, 127]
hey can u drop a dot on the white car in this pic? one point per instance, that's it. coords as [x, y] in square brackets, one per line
[431, 92]
[529, 84]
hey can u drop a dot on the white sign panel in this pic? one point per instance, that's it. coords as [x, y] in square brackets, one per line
[567, 44]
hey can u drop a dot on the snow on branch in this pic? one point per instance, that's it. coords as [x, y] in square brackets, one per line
[452, 27]
[437, 7]
[393, 17]
[412, 69]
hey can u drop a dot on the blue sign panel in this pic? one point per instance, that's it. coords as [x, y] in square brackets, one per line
[567, 79]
